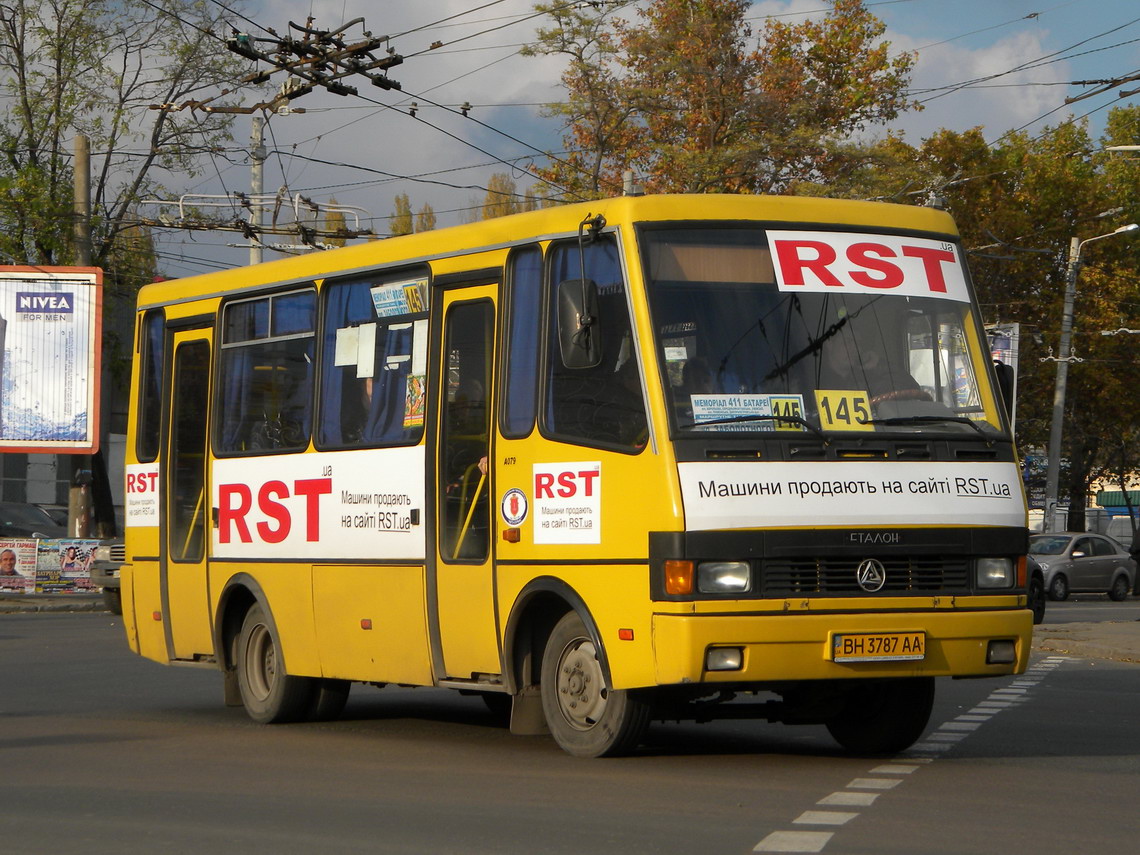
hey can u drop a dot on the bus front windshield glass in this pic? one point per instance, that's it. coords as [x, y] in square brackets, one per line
[809, 330]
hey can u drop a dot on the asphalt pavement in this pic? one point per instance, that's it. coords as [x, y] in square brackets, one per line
[1115, 640]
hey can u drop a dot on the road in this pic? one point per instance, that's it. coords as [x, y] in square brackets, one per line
[103, 752]
[1091, 607]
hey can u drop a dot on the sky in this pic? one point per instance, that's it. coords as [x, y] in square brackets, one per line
[999, 64]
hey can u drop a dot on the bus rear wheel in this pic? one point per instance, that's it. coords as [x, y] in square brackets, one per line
[268, 694]
[883, 716]
[585, 716]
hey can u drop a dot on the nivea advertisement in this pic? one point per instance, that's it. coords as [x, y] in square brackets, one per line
[49, 359]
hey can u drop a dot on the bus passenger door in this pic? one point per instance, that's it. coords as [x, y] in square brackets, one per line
[464, 596]
[186, 499]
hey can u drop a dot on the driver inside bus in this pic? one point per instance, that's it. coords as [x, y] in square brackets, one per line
[857, 358]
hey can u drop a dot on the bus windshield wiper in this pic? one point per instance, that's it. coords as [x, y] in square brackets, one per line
[765, 418]
[914, 420]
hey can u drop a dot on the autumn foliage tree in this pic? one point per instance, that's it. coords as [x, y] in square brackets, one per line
[400, 223]
[99, 68]
[683, 94]
[1019, 202]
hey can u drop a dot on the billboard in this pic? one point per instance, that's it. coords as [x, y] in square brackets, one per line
[50, 356]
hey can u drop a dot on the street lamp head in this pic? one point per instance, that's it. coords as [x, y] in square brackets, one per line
[1131, 227]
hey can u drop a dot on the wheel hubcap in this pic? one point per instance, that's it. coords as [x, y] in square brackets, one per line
[261, 662]
[581, 689]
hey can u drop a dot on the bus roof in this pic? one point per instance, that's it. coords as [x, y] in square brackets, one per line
[545, 223]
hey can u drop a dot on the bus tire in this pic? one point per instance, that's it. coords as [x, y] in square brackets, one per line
[113, 600]
[586, 718]
[328, 700]
[1036, 599]
[883, 716]
[269, 695]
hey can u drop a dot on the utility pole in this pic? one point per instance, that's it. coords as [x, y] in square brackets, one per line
[257, 156]
[79, 493]
[1052, 476]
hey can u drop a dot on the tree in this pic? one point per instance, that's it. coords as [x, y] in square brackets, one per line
[501, 198]
[680, 95]
[98, 67]
[1018, 204]
[114, 72]
[425, 219]
[400, 223]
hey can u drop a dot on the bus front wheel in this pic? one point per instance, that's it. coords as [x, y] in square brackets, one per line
[883, 716]
[586, 717]
[268, 694]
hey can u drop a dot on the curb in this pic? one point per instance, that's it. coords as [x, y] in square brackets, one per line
[23, 603]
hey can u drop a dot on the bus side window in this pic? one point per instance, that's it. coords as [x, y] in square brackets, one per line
[266, 376]
[603, 404]
[520, 390]
[151, 356]
[373, 348]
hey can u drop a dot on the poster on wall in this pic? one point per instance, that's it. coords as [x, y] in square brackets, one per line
[64, 565]
[50, 356]
[17, 565]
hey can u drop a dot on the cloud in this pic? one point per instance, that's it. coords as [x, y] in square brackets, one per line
[1009, 100]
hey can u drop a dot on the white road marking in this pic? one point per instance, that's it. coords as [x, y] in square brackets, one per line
[824, 817]
[940, 741]
[842, 797]
[794, 841]
[894, 769]
[874, 784]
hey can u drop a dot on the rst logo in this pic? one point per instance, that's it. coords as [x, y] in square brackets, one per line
[142, 481]
[565, 484]
[861, 263]
[278, 503]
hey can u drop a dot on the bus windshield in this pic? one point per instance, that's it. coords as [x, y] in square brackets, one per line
[778, 330]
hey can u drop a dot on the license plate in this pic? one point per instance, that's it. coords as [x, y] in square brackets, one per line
[879, 647]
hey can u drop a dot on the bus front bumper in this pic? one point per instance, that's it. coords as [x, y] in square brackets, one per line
[711, 648]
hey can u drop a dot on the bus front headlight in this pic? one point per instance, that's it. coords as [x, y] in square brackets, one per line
[994, 573]
[724, 577]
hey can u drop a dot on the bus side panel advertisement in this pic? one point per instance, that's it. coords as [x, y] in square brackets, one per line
[142, 494]
[341, 504]
[838, 263]
[568, 502]
[751, 495]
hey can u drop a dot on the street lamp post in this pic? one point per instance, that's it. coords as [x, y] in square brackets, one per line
[1052, 474]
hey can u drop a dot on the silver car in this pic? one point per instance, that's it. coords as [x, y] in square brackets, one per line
[1075, 561]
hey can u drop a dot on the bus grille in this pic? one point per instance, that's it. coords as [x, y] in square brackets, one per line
[837, 576]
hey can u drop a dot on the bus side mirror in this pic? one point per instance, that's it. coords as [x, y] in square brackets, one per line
[1005, 378]
[578, 333]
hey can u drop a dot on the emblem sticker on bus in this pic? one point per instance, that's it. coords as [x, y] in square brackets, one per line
[514, 507]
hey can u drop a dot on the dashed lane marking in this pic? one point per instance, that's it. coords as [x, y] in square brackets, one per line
[864, 791]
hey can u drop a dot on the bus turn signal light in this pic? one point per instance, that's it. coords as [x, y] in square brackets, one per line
[678, 577]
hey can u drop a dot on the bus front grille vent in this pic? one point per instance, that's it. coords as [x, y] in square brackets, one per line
[837, 576]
